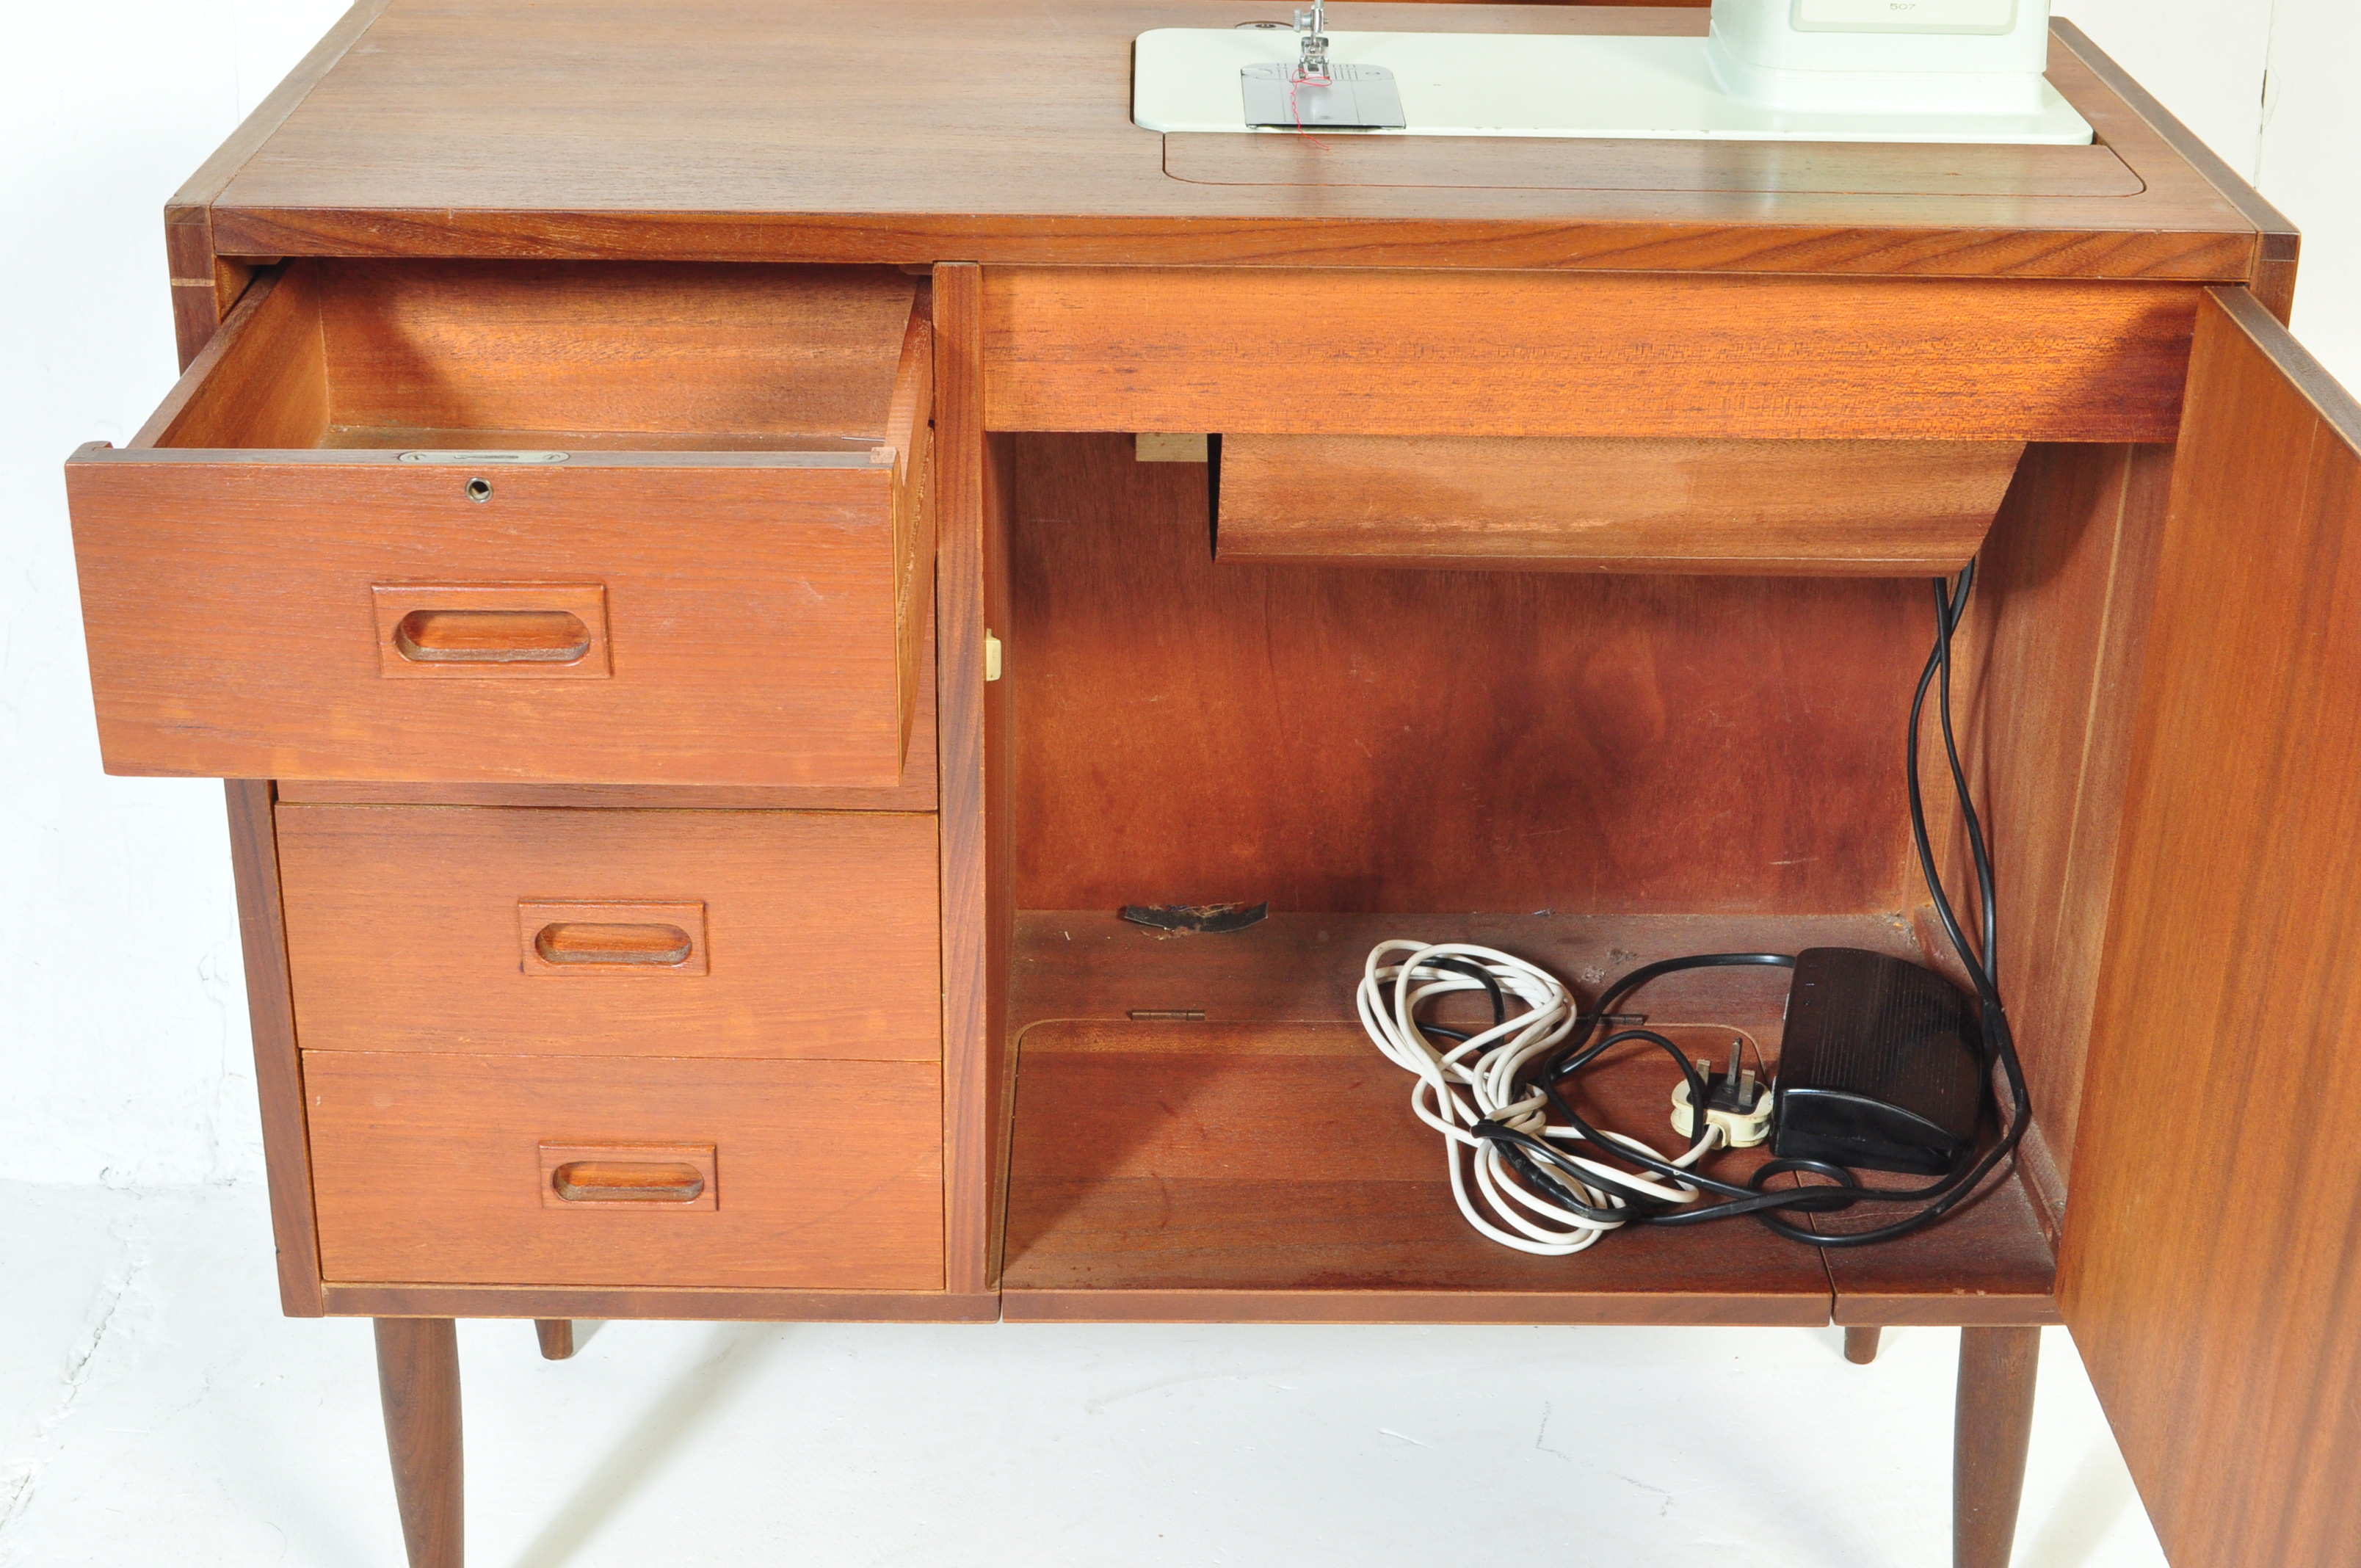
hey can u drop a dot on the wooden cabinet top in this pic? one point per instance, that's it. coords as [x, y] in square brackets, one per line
[912, 131]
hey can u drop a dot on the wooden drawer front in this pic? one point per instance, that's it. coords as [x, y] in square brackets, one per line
[456, 1169]
[269, 591]
[588, 932]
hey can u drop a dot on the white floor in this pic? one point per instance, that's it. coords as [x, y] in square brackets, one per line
[155, 1408]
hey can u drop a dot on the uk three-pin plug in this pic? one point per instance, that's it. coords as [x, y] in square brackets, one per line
[1735, 1102]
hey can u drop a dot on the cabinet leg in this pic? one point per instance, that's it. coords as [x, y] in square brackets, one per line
[1860, 1346]
[418, 1380]
[556, 1337]
[1993, 1424]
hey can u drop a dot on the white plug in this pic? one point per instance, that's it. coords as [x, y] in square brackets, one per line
[1735, 1103]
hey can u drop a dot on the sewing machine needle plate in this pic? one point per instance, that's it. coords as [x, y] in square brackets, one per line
[1354, 98]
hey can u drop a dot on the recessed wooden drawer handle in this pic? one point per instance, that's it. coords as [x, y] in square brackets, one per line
[492, 632]
[491, 637]
[582, 942]
[624, 1182]
[678, 1176]
[652, 938]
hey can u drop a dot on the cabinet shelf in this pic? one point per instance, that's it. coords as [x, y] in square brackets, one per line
[1261, 1162]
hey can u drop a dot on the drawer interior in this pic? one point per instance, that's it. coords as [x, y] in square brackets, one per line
[488, 356]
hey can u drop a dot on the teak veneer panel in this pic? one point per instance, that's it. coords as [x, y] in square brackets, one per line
[723, 130]
[224, 588]
[204, 284]
[359, 1300]
[247, 648]
[916, 792]
[1303, 968]
[278, 1061]
[427, 1171]
[820, 931]
[1741, 507]
[2210, 1270]
[708, 351]
[1987, 1263]
[2136, 118]
[1317, 352]
[1222, 1127]
[1274, 1171]
[1188, 731]
[974, 600]
[2046, 688]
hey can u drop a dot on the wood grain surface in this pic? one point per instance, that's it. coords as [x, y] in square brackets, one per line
[1988, 1263]
[2046, 699]
[710, 352]
[819, 929]
[722, 129]
[1992, 1433]
[661, 1302]
[1189, 731]
[227, 607]
[418, 1384]
[1080, 348]
[204, 285]
[2208, 1269]
[789, 598]
[1080, 973]
[277, 1059]
[2138, 115]
[427, 1171]
[262, 381]
[916, 792]
[1091, 964]
[972, 588]
[1862, 508]
[1235, 1171]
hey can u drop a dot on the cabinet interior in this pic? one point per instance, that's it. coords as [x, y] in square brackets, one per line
[1590, 770]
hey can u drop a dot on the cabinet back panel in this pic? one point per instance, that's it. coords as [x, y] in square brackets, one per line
[1345, 738]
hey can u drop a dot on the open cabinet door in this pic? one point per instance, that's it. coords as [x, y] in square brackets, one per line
[2212, 1268]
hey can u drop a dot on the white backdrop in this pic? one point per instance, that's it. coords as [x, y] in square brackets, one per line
[123, 1043]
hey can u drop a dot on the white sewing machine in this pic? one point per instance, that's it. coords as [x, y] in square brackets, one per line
[1920, 70]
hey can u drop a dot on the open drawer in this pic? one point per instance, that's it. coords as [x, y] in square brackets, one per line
[478, 522]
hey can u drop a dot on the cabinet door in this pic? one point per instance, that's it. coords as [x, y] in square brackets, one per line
[2211, 1269]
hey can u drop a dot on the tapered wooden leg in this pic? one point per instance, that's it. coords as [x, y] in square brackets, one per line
[1993, 1424]
[1860, 1346]
[556, 1337]
[418, 1380]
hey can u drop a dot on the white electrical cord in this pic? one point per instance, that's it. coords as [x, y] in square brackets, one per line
[1476, 1080]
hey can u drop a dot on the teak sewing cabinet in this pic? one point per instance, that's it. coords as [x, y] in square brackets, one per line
[679, 878]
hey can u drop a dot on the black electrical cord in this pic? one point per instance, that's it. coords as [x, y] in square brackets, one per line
[1528, 1155]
